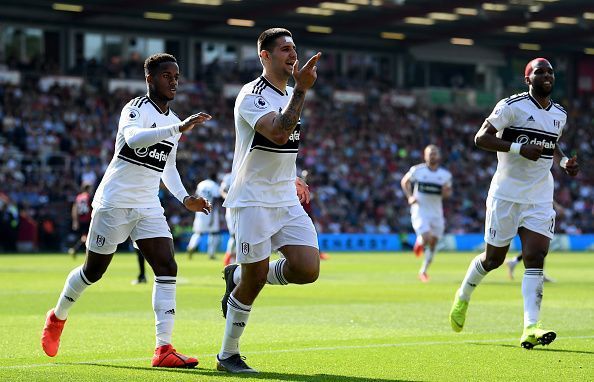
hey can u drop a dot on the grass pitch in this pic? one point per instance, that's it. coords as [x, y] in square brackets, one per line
[367, 318]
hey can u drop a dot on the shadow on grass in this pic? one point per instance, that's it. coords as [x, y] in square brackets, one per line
[261, 375]
[553, 350]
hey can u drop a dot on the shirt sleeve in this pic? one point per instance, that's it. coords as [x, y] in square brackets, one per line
[171, 178]
[562, 129]
[253, 107]
[216, 191]
[133, 125]
[501, 116]
[411, 174]
[448, 182]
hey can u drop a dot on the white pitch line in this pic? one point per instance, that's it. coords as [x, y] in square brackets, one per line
[322, 348]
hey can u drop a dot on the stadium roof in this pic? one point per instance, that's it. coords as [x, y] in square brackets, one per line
[379, 25]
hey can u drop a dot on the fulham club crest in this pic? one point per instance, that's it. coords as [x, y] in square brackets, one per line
[100, 241]
[245, 248]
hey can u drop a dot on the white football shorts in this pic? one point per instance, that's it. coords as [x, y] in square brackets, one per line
[261, 230]
[229, 221]
[423, 223]
[503, 218]
[112, 226]
[207, 223]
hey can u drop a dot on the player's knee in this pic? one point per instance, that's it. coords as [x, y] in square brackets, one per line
[534, 254]
[311, 275]
[93, 275]
[307, 274]
[433, 241]
[491, 263]
[534, 259]
[168, 268]
[255, 283]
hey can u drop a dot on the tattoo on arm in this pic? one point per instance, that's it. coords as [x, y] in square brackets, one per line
[288, 118]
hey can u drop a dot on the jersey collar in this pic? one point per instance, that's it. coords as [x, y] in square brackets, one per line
[538, 105]
[157, 107]
[273, 87]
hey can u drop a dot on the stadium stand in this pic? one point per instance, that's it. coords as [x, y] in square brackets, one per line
[66, 72]
[51, 141]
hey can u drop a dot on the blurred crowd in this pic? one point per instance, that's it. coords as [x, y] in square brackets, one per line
[53, 141]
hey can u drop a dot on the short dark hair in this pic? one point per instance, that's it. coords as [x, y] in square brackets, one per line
[152, 63]
[267, 38]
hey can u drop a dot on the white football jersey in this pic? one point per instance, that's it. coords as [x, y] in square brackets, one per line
[263, 172]
[427, 189]
[226, 182]
[133, 175]
[208, 189]
[521, 119]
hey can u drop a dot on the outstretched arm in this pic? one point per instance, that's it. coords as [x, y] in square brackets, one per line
[137, 137]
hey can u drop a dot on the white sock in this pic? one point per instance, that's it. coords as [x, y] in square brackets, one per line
[164, 307]
[237, 274]
[514, 261]
[231, 244]
[75, 284]
[237, 318]
[474, 276]
[193, 243]
[428, 259]
[532, 293]
[275, 272]
[213, 242]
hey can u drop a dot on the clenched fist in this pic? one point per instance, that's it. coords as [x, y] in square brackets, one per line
[197, 204]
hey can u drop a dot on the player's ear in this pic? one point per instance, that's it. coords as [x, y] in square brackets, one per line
[264, 55]
[527, 81]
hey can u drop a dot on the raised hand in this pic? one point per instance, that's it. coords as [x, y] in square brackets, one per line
[198, 204]
[306, 77]
[572, 167]
[530, 151]
[193, 120]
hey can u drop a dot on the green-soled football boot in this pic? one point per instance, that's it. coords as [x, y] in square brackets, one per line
[458, 313]
[534, 335]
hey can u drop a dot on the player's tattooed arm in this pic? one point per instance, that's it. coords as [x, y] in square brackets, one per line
[286, 121]
[278, 127]
[304, 80]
